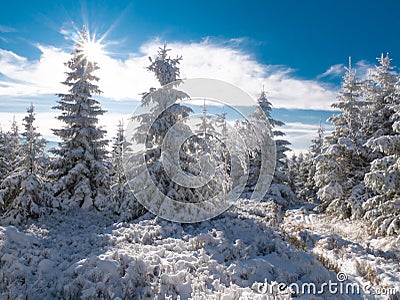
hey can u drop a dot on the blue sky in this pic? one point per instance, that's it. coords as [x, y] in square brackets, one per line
[296, 49]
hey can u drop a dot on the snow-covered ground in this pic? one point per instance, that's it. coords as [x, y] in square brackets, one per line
[349, 247]
[82, 254]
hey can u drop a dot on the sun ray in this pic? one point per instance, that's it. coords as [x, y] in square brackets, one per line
[93, 50]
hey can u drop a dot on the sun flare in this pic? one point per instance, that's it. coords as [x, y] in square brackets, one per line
[93, 50]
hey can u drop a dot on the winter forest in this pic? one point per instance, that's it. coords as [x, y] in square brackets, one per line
[72, 226]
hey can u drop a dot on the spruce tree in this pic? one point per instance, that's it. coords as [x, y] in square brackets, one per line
[126, 205]
[165, 112]
[280, 187]
[9, 154]
[383, 179]
[310, 189]
[168, 172]
[150, 174]
[211, 141]
[4, 169]
[341, 166]
[80, 170]
[24, 193]
[296, 174]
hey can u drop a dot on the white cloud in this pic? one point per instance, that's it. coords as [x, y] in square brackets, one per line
[363, 69]
[333, 71]
[300, 134]
[31, 78]
[46, 121]
[127, 78]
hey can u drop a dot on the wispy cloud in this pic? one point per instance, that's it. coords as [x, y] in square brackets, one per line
[363, 69]
[300, 134]
[333, 71]
[7, 29]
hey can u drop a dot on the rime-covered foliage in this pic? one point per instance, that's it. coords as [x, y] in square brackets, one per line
[280, 186]
[298, 172]
[23, 192]
[3, 154]
[80, 170]
[164, 67]
[341, 166]
[206, 126]
[295, 174]
[302, 168]
[9, 145]
[126, 205]
[358, 170]
[383, 179]
[309, 190]
[164, 114]
[210, 148]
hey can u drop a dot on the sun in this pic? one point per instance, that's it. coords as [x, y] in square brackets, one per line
[93, 50]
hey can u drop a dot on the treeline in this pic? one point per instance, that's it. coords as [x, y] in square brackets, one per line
[355, 170]
[81, 173]
[352, 172]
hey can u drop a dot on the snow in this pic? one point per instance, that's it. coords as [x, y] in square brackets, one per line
[83, 254]
[348, 246]
[254, 250]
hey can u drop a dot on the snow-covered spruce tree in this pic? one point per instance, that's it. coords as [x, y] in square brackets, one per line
[4, 150]
[280, 187]
[342, 164]
[309, 190]
[221, 123]
[164, 109]
[211, 146]
[126, 205]
[164, 113]
[23, 193]
[298, 172]
[81, 172]
[9, 154]
[383, 179]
